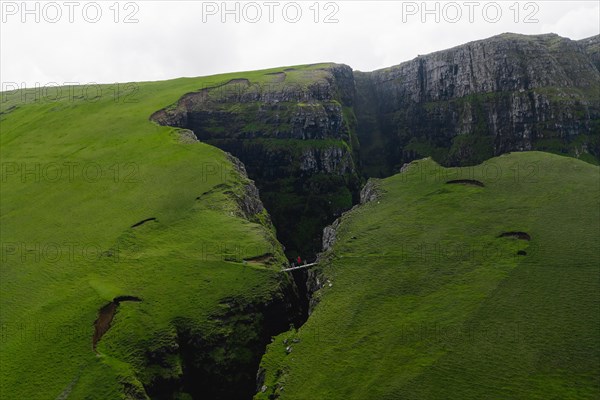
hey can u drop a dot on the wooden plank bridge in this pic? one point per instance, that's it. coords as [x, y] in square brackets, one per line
[298, 267]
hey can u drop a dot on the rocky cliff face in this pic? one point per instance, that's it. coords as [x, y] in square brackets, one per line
[466, 104]
[591, 46]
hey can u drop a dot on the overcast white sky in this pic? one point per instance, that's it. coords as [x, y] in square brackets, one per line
[188, 38]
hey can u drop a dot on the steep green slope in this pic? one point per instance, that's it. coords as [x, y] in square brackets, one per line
[78, 172]
[423, 297]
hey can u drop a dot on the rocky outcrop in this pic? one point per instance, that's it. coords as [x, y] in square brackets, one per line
[591, 46]
[330, 160]
[329, 235]
[249, 202]
[370, 192]
[309, 107]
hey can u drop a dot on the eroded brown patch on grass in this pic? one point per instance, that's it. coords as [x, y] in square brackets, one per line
[262, 259]
[106, 315]
[470, 182]
[516, 235]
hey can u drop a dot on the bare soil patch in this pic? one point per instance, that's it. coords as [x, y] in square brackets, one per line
[105, 316]
[516, 235]
[262, 259]
[470, 182]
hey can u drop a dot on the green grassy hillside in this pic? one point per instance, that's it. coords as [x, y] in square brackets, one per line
[424, 298]
[79, 169]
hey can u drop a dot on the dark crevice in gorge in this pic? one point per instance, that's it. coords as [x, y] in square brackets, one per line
[303, 295]
[219, 360]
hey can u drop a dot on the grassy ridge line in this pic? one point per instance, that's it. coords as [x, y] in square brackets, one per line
[68, 247]
[423, 300]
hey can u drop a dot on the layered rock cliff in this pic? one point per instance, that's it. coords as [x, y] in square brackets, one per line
[466, 104]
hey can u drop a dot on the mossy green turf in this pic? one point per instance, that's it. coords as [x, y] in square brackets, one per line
[181, 265]
[428, 302]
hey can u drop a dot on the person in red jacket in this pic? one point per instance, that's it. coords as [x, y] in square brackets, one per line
[299, 260]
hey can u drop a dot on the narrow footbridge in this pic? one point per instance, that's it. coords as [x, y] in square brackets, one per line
[298, 267]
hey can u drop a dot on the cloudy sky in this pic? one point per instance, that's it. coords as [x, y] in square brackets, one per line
[105, 41]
